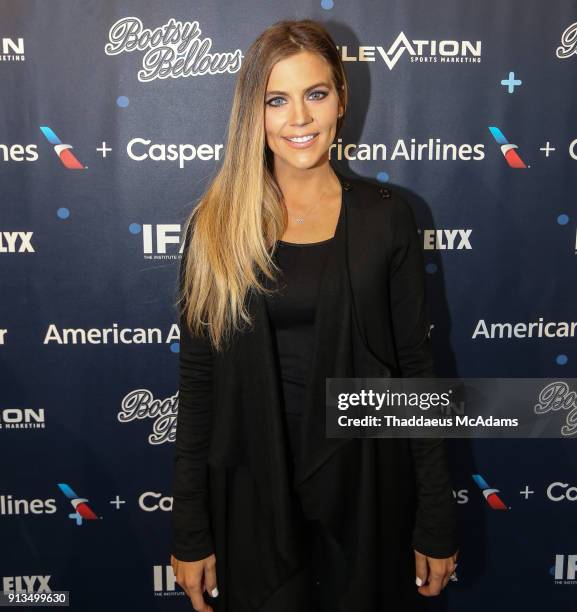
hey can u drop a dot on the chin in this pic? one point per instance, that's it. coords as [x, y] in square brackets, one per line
[302, 164]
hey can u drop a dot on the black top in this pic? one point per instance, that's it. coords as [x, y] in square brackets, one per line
[292, 311]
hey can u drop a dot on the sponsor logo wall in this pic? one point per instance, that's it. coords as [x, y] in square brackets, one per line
[112, 122]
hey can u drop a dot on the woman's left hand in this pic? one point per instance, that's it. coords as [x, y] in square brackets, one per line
[434, 574]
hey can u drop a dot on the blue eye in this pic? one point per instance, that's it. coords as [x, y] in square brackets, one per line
[324, 94]
[270, 102]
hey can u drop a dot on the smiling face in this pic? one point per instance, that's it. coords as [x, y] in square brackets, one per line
[301, 110]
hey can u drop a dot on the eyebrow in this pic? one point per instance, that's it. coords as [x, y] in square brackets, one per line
[284, 93]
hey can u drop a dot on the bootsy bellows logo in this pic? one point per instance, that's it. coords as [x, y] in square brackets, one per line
[558, 396]
[140, 404]
[568, 45]
[175, 49]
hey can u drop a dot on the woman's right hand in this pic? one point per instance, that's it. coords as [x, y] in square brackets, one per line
[195, 577]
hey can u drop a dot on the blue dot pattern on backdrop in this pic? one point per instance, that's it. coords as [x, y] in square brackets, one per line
[327, 4]
[122, 101]
[431, 268]
[135, 228]
[63, 213]
[175, 347]
[383, 177]
[562, 359]
[563, 219]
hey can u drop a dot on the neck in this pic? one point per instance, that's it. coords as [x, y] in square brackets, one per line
[303, 187]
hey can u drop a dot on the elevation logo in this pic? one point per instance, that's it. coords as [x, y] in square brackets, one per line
[62, 150]
[11, 49]
[508, 149]
[494, 501]
[82, 510]
[418, 50]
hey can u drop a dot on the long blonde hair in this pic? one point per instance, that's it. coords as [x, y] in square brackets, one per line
[242, 214]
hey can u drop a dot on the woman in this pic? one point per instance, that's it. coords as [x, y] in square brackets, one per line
[292, 274]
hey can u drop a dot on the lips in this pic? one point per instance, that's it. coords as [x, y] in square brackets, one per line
[303, 144]
[303, 136]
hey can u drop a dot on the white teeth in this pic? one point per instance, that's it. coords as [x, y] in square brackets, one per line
[303, 138]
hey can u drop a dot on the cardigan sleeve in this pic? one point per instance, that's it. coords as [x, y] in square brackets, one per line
[435, 531]
[190, 522]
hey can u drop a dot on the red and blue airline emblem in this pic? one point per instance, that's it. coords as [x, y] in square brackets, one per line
[508, 149]
[62, 150]
[80, 504]
[491, 496]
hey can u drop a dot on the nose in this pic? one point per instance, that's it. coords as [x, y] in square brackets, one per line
[300, 114]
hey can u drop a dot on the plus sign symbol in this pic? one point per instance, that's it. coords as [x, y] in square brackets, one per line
[511, 83]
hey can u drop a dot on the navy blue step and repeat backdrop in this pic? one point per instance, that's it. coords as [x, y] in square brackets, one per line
[108, 135]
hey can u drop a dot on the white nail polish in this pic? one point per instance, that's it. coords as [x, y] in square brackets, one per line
[418, 581]
[214, 592]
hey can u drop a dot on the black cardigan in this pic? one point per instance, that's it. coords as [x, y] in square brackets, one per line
[380, 497]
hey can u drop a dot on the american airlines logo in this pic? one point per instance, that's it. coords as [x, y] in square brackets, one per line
[419, 51]
[63, 150]
[82, 510]
[490, 494]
